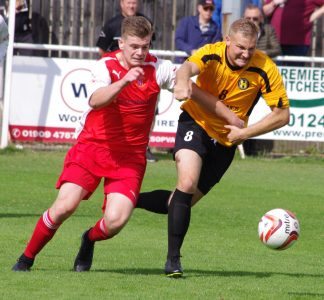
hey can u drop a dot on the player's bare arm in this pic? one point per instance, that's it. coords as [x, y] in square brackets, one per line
[105, 95]
[185, 88]
[182, 89]
[213, 105]
[277, 118]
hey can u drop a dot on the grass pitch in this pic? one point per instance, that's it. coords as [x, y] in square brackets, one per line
[222, 256]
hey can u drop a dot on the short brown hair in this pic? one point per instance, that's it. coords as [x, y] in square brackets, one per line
[245, 27]
[252, 6]
[136, 26]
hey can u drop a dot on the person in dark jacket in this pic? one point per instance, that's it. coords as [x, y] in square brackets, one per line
[111, 31]
[267, 39]
[194, 32]
[23, 31]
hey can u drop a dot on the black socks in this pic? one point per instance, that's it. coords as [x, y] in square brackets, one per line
[155, 201]
[178, 221]
[178, 212]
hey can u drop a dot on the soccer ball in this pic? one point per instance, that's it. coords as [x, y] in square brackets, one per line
[278, 229]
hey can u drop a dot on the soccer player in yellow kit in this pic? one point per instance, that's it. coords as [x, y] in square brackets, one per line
[236, 74]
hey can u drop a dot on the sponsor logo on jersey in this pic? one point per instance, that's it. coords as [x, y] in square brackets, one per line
[116, 73]
[243, 84]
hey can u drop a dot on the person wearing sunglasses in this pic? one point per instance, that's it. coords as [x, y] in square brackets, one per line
[196, 31]
[267, 38]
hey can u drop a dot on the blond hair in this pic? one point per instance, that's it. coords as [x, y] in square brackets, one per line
[136, 26]
[246, 27]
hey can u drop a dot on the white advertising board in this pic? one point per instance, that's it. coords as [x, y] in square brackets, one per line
[305, 89]
[49, 96]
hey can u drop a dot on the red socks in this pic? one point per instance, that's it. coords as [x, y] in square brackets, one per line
[98, 232]
[46, 228]
[43, 233]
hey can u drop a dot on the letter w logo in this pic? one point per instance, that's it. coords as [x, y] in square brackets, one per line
[77, 91]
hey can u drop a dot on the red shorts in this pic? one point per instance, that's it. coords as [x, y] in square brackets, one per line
[86, 164]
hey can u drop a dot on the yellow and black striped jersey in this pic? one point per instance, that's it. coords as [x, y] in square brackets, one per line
[238, 88]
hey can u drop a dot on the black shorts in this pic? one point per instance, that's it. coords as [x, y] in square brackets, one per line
[216, 157]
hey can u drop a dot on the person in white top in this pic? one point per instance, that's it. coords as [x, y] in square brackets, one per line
[4, 38]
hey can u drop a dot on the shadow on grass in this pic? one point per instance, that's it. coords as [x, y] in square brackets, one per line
[16, 215]
[24, 215]
[305, 294]
[205, 273]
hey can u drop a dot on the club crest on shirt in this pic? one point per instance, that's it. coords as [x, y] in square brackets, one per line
[141, 82]
[243, 84]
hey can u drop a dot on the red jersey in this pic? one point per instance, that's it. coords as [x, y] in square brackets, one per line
[124, 125]
[291, 21]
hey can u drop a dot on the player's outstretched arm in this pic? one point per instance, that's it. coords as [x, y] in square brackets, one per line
[277, 118]
[182, 88]
[213, 105]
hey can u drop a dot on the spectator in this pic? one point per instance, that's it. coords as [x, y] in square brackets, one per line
[269, 44]
[23, 31]
[217, 14]
[292, 21]
[195, 31]
[257, 3]
[267, 39]
[4, 36]
[110, 34]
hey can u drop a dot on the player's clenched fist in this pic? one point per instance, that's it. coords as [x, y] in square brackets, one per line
[133, 74]
[182, 91]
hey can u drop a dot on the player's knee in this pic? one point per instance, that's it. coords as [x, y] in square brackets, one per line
[61, 211]
[114, 222]
[187, 185]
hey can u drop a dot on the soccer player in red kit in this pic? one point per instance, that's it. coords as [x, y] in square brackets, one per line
[111, 142]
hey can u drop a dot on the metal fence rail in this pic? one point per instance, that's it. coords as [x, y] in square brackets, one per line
[159, 53]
